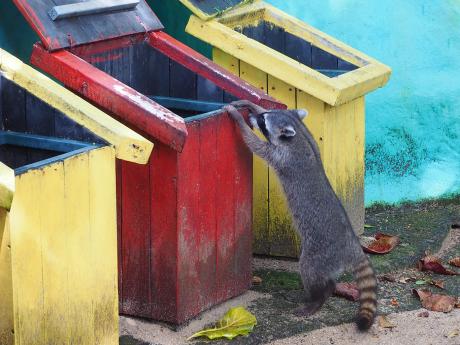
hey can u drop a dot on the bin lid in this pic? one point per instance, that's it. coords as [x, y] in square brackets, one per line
[207, 9]
[64, 23]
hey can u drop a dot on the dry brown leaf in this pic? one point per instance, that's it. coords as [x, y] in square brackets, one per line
[256, 280]
[437, 283]
[379, 244]
[385, 323]
[455, 262]
[387, 278]
[404, 280]
[348, 291]
[394, 302]
[433, 264]
[435, 302]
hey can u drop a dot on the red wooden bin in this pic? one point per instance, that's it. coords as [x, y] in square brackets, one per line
[185, 218]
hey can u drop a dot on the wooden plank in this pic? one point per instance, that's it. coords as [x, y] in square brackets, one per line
[76, 208]
[208, 91]
[13, 106]
[164, 235]
[129, 145]
[225, 201]
[135, 240]
[226, 61]
[321, 59]
[104, 244]
[330, 90]
[56, 287]
[187, 104]
[6, 283]
[60, 34]
[274, 37]
[210, 8]
[39, 116]
[206, 68]
[123, 102]
[26, 259]
[297, 49]
[182, 81]
[188, 225]
[284, 241]
[90, 7]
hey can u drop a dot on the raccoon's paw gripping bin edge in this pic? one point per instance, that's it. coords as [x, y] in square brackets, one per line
[58, 233]
[185, 218]
[304, 68]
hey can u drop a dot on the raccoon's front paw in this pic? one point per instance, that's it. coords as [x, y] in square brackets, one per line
[233, 112]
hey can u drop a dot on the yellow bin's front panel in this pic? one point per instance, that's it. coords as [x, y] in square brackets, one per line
[58, 271]
[336, 109]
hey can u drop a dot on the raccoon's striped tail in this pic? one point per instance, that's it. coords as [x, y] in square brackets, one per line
[367, 285]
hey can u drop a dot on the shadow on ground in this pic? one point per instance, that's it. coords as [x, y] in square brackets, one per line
[421, 227]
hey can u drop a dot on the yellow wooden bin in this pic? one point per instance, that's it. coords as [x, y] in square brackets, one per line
[304, 68]
[58, 231]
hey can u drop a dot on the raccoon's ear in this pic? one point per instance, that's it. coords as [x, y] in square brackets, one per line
[288, 131]
[302, 113]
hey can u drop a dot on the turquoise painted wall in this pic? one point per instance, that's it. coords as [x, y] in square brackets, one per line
[413, 124]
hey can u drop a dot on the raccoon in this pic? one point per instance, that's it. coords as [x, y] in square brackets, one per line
[329, 246]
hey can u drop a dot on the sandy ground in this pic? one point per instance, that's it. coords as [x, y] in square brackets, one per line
[410, 330]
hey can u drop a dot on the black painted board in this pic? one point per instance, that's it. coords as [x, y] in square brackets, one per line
[256, 33]
[213, 7]
[206, 90]
[182, 81]
[14, 156]
[68, 129]
[228, 98]
[274, 37]
[2, 125]
[346, 66]
[86, 29]
[13, 106]
[297, 49]
[39, 116]
[322, 59]
[150, 71]
[120, 64]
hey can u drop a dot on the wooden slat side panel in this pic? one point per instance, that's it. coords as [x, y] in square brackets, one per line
[261, 242]
[283, 238]
[135, 239]
[102, 202]
[189, 240]
[13, 106]
[206, 90]
[26, 259]
[321, 59]
[182, 81]
[207, 251]
[298, 49]
[164, 211]
[79, 257]
[56, 286]
[225, 203]
[6, 283]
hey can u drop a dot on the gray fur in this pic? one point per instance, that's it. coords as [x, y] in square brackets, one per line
[329, 245]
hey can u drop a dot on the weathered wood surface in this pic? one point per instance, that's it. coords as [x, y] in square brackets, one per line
[7, 187]
[293, 62]
[90, 7]
[90, 28]
[210, 8]
[269, 56]
[44, 99]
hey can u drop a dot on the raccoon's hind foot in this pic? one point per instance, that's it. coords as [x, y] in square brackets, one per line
[318, 295]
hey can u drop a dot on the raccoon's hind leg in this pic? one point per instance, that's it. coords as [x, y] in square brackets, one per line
[317, 294]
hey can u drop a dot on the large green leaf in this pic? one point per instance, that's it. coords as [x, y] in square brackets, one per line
[237, 321]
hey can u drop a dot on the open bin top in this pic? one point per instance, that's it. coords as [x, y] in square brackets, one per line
[65, 23]
[225, 33]
[208, 9]
[129, 145]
